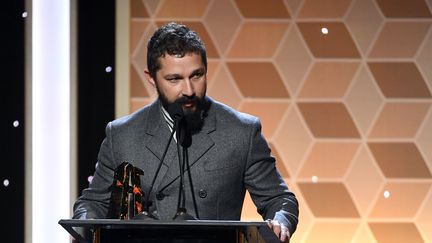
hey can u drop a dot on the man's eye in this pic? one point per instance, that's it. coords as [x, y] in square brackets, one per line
[173, 80]
[197, 75]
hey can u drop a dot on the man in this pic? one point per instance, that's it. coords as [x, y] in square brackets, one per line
[227, 153]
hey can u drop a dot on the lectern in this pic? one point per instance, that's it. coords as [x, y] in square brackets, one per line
[193, 231]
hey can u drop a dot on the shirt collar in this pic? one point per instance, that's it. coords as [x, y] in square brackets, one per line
[167, 117]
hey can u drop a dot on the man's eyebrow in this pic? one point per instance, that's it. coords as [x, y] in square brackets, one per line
[173, 75]
[199, 70]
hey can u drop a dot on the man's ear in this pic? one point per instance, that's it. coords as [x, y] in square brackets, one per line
[149, 78]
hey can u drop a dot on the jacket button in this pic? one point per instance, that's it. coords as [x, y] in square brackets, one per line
[160, 196]
[202, 193]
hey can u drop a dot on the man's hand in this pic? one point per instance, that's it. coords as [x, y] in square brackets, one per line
[280, 230]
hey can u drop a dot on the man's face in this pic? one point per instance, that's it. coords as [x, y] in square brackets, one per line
[181, 79]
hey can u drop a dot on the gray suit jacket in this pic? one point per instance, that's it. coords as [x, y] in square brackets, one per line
[228, 156]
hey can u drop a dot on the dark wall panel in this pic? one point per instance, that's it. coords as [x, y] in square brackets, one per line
[12, 102]
[96, 36]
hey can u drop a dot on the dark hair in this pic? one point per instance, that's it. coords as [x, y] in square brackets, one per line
[173, 39]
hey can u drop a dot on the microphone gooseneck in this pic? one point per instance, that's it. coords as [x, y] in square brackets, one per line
[176, 112]
[184, 141]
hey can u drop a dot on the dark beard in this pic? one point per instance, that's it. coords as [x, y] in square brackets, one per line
[194, 119]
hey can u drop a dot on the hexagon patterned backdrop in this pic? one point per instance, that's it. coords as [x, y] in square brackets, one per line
[343, 89]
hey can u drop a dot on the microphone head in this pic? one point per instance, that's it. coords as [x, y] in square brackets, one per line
[176, 111]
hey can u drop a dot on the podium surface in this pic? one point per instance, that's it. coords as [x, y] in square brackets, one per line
[137, 231]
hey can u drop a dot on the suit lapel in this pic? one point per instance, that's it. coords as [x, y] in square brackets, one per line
[202, 142]
[158, 134]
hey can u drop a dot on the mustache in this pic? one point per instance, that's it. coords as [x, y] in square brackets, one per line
[185, 99]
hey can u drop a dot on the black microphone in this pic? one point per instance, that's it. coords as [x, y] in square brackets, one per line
[176, 112]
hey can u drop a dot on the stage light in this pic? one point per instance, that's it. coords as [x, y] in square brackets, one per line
[324, 30]
[15, 123]
[50, 119]
[386, 194]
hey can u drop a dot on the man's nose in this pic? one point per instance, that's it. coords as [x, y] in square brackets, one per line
[188, 89]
